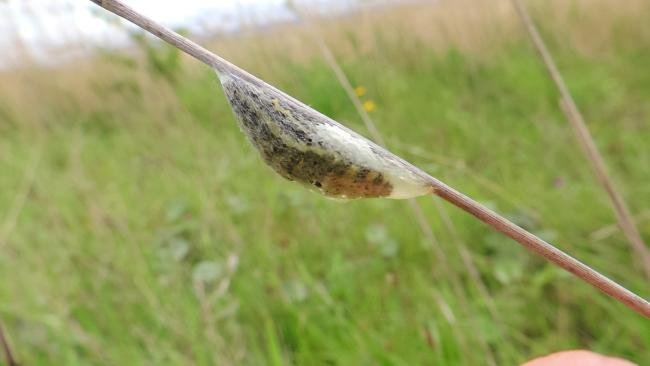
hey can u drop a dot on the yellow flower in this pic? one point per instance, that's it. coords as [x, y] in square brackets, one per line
[360, 91]
[369, 105]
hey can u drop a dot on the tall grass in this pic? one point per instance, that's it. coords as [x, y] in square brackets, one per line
[141, 228]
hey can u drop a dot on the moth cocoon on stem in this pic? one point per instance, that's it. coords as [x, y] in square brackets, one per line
[308, 147]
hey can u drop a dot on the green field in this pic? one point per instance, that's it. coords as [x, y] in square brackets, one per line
[139, 227]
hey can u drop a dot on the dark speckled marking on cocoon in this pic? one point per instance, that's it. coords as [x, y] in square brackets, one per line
[282, 134]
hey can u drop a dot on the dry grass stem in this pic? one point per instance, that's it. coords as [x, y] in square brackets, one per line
[587, 143]
[6, 349]
[609, 230]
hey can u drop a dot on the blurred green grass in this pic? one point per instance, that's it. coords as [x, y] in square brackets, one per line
[141, 228]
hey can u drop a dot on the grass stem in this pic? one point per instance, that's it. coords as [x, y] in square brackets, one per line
[586, 141]
[6, 349]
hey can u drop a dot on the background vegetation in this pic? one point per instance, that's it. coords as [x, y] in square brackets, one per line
[137, 225]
